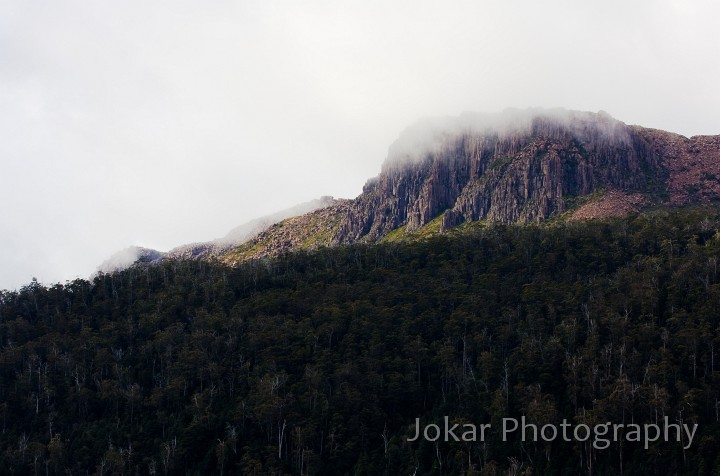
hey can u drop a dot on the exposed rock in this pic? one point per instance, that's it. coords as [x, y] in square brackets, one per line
[136, 255]
[693, 165]
[312, 230]
[246, 232]
[614, 203]
[512, 172]
[512, 167]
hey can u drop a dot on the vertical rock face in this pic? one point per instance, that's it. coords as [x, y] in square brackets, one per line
[517, 166]
[511, 167]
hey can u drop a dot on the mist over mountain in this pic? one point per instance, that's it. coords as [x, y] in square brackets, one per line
[129, 256]
[246, 231]
[238, 235]
[516, 166]
[527, 166]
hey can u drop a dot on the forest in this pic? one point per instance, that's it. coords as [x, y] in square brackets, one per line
[319, 363]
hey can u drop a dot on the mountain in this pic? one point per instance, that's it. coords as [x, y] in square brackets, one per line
[448, 306]
[518, 166]
[138, 255]
[129, 256]
[527, 166]
[513, 167]
[245, 232]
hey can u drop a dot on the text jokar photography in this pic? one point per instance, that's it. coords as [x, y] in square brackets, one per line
[602, 435]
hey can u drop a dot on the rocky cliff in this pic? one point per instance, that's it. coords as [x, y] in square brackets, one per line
[512, 167]
[527, 166]
[516, 166]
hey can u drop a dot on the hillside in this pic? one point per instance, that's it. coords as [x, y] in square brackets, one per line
[141, 256]
[320, 363]
[512, 167]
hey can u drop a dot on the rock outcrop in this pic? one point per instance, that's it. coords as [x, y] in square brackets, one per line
[314, 229]
[246, 231]
[527, 167]
[512, 167]
[140, 256]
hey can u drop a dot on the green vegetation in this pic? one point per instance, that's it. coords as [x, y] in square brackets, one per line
[573, 202]
[320, 232]
[431, 228]
[311, 231]
[243, 251]
[398, 234]
[320, 362]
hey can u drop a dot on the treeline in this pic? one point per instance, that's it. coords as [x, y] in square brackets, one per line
[319, 363]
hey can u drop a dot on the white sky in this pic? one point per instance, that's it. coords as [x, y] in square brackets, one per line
[166, 122]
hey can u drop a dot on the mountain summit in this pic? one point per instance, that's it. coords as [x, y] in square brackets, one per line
[523, 166]
[517, 166]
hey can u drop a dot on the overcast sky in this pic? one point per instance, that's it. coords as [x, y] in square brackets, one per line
[158, 123]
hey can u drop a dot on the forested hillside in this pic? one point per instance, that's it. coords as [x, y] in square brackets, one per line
[320, 362]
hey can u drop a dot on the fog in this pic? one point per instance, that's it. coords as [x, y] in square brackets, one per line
[430, 134]
[161, 123]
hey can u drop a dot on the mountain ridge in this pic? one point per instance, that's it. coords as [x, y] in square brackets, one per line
[209, 249]
[517, 166]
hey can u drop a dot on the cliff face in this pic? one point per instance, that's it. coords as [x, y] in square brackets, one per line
[692, 165]
[529, 167]
[517, 166]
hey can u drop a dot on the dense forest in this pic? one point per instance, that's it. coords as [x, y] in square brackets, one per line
[319, 363]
